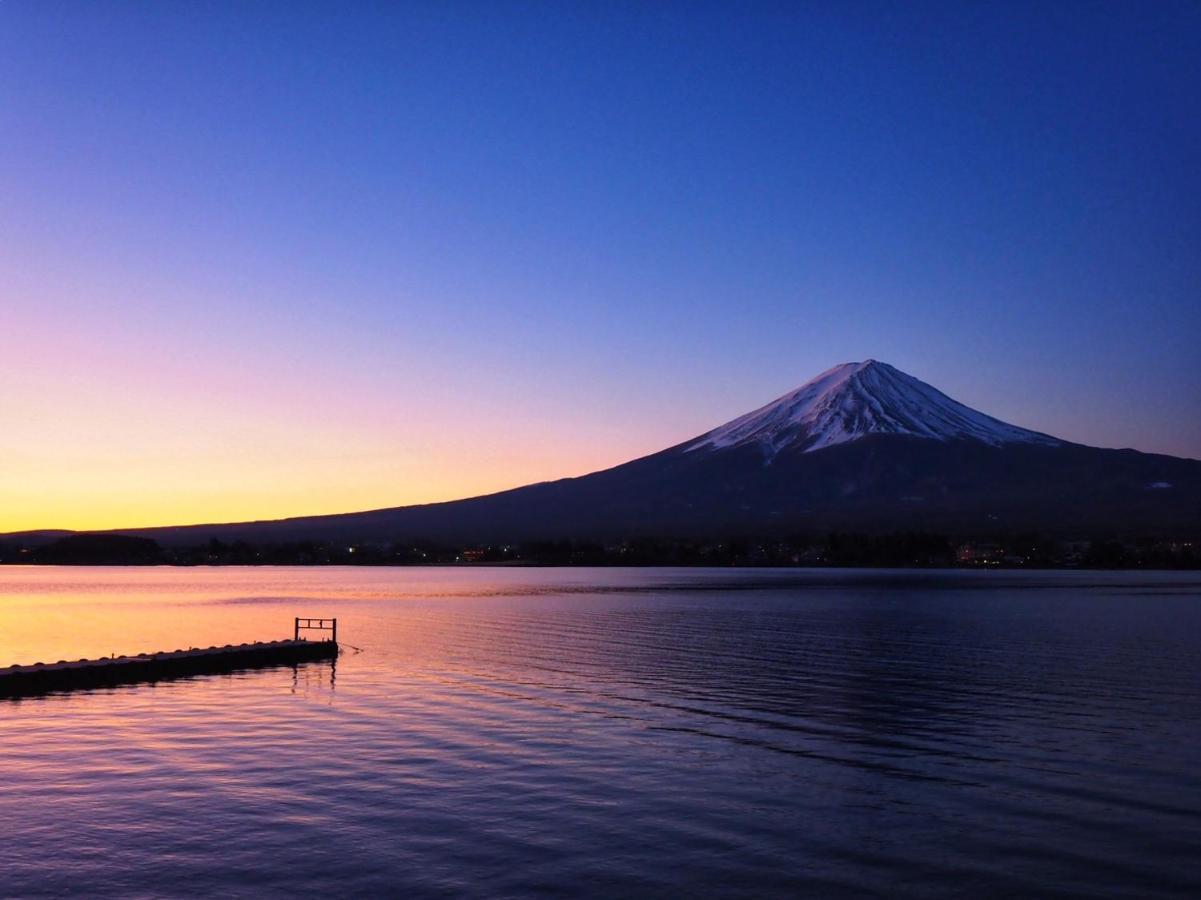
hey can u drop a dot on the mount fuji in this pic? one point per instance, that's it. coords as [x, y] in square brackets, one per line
[862, 447]
[856, 400]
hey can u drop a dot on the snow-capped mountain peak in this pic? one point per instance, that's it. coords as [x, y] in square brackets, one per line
[854, 400]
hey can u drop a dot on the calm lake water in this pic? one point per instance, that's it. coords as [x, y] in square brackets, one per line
[608, 732]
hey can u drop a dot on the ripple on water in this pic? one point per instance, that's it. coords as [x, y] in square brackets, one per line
[604, 732]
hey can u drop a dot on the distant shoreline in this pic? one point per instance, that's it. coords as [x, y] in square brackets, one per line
[908, 550]
[613, 565]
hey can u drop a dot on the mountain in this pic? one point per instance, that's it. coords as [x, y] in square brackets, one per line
[861, 447]
[855, 400]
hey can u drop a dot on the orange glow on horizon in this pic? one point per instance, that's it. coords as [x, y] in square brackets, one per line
[96, 496]
[104, 431]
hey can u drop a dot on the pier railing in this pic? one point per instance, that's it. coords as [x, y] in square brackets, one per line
[304, 624]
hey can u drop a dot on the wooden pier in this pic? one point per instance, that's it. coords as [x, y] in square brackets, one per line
[40, 678]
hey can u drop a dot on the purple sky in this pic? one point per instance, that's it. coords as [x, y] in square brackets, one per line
[268, 260]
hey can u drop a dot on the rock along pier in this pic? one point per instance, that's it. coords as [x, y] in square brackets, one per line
[40, 678]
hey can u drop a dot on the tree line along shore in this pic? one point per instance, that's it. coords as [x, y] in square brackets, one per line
[902, 549]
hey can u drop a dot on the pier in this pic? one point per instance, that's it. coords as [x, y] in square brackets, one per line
[40, 678]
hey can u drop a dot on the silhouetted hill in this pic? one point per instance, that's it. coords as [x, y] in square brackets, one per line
[99, 550]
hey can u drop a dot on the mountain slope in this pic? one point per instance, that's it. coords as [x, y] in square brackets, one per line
[862, 447]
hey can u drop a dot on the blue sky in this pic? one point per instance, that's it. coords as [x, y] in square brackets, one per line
[545, 237]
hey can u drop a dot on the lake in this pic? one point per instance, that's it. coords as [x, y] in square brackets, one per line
[612, 732]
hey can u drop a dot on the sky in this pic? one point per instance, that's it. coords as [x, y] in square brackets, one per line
[272, 259]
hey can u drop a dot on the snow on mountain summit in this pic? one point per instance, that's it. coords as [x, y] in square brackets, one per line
[854, 400]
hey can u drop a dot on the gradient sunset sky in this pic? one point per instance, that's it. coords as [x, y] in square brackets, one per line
[270, 259]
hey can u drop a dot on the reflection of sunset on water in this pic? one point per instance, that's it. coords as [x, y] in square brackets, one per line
[483, 725]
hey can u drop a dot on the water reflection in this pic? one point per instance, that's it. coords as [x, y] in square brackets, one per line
[317, 676]
[607, 732]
